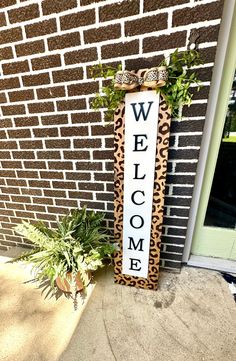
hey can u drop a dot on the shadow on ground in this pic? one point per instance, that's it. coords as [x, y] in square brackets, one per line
[33, 328]
[191, 317]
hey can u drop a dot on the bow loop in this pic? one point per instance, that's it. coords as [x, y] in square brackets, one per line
[153, 78]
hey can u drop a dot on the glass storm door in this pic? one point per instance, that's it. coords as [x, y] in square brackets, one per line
[215, 230]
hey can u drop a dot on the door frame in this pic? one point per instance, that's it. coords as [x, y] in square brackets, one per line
[222, 62]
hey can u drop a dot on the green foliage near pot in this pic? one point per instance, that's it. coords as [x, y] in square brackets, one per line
[79, 244]
[176, 92]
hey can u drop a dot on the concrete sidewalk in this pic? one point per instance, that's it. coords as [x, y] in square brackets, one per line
[191, 317]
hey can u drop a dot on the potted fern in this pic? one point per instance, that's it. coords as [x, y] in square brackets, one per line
[68, 254]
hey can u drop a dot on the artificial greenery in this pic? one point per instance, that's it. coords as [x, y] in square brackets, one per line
[78, 244]
[110, 97]
[176, 91]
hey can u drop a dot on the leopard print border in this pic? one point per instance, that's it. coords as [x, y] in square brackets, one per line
[164, 119]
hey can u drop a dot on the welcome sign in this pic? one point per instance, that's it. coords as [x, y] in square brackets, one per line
[141, 127]
[139, 168]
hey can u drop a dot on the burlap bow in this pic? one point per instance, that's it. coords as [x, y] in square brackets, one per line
[153, 78]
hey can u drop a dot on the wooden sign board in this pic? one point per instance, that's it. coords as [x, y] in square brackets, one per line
[142, 127]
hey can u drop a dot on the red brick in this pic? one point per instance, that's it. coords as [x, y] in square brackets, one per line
[2, 134]
[12, 164]
[31, 144]
[105, 197]
[35, 208]
[155, 5]
[81, 56]
[88, 2]
[41, 28]
[76, 155]
[9, 190]
[57, 210]
[78, 176]
[103, 154]
[162, 42]
[35, 165]
[54, 119]
[3, 98]
[8, 145]
[25, 215]
[64, 185]
[6, 53]
[67, 203]
[72, 104]
[57, 6]
[120, 49]
[22, 95]
[54, 193]
[32, 192]
[33, 47]
[51, 175]
[51, 61]
[57, 143]
[9, 83]
[109, 32]
[143, 62]
[52, 92]
[27, 174]
[85, 117]
[13, 109]
[91, 186]
[43, 200]
[15, 206]
[26, 121]
[92, 205]
[146, 25]
[19, 133]
[23, 13]
[109, 143]
[102, 130]
[37, 79]
[7, 173]
[64, 41]
[74, 131]
[89, 166]
[198, 13]
[109, 177]
[82, 89]
[16, 183]
[207, 34]
[5, 3]
[10, 36]
[5, 155]
[80, 195]
[62, 76]
[44, 107]
[23, 155]
[6, 123]
[77, 20]
[2, 20]
[87, 143]
[45, 132]
[48, 155]
[39, 184]
[119, 10]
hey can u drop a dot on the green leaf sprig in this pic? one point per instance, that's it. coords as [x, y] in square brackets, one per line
[176, 92]
[110, 97]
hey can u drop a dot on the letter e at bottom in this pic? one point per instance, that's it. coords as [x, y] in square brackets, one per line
[134, 264]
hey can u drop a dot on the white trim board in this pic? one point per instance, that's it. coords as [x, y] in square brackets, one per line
[224, 34]
[218, 264]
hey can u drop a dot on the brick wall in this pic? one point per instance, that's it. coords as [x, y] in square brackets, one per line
[55, 152]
